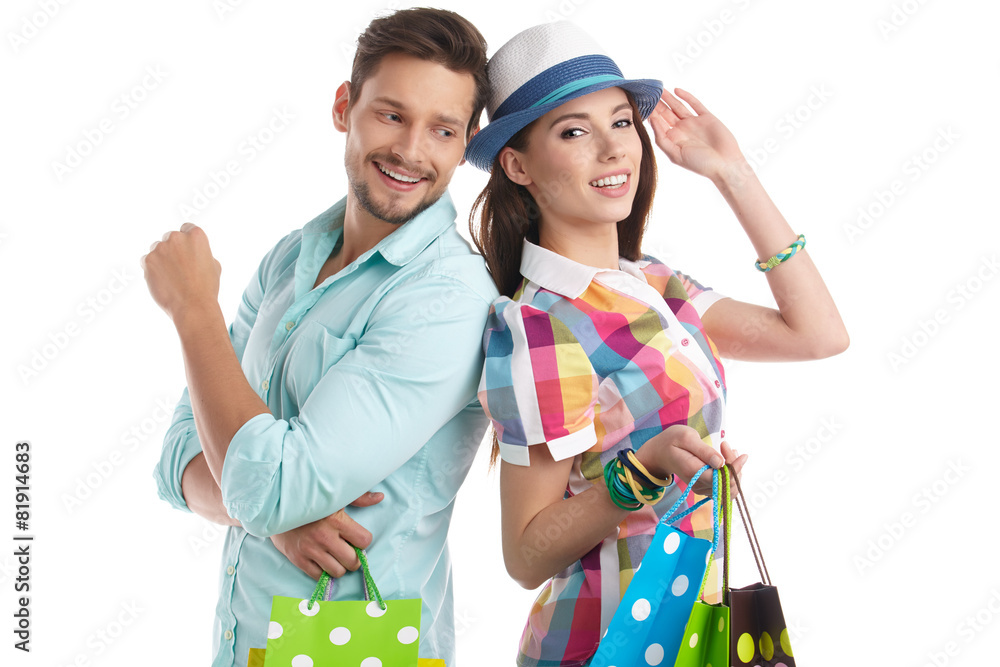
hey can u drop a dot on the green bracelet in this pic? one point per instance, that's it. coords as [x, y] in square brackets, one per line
[782, 256]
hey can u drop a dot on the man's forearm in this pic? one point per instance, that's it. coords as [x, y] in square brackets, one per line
[221, 398]
[202, 494]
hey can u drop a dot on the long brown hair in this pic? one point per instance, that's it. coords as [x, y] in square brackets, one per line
[509, 214]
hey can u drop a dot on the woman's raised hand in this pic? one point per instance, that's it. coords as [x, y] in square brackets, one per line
[692, 137]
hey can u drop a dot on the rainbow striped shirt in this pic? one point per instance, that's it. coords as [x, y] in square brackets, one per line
[591, 361]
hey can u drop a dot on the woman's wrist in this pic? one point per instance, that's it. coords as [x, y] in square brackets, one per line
[648, 456]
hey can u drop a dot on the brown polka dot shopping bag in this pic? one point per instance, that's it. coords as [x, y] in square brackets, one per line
[366, 633]
[758, 634]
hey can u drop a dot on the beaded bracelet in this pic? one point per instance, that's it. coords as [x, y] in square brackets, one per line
[782, 256]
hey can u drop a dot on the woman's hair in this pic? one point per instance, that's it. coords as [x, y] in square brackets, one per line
[510, 214]
[437, 35]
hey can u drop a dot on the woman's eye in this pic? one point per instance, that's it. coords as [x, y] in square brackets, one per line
[625, 122]
[572, 132]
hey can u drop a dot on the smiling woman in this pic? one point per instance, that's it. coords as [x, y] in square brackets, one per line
[596, 353]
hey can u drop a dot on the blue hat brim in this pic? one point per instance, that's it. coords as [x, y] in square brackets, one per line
[486, 144]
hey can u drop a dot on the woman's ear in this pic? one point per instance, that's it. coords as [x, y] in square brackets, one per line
[513, 165]
[340, 106]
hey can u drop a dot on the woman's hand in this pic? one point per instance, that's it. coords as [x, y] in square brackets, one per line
[679, 450]
[695, 140]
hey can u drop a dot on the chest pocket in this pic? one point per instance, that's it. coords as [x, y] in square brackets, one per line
[313, 352]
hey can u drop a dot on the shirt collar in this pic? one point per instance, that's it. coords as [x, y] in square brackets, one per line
[399, 247]
[563, 275]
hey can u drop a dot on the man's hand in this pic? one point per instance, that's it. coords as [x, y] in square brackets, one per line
[327, 544]
[181, 272]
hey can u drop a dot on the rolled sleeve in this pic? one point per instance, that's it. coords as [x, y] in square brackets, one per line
[538, 384]
[181, 443]
[414, 369]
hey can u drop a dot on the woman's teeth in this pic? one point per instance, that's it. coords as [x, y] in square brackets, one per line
[610, 181]
[399, 177]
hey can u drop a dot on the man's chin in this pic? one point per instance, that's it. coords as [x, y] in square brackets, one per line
[394, 215]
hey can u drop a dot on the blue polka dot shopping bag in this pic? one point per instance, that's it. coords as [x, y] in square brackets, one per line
[366, 633]
[649, 625]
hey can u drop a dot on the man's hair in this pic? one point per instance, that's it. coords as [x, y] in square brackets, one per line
[437, 35]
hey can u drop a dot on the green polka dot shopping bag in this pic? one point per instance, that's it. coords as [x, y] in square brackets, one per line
[649, 624]
[366, 633]
[706, 637]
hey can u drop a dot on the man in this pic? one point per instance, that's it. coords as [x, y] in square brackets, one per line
[353, 361]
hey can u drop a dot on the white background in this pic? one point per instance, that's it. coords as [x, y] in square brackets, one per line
[871, 571]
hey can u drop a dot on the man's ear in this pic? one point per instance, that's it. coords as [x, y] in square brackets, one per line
[340, 106]
[513, 165]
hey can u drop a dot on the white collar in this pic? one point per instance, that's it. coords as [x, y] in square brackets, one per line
[563, 275]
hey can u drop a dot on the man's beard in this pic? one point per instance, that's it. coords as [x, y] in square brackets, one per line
[363, 194]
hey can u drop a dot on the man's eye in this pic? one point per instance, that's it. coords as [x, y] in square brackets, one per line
[392, 116]
[447, 134]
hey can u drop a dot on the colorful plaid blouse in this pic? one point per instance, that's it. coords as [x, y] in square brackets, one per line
[590, 361]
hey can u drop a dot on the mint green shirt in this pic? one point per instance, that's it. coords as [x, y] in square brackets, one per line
[371, 382]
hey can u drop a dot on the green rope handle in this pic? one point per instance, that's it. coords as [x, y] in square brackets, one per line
[371, 590]
[721, 490]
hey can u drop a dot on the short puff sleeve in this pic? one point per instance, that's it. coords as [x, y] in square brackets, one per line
[538, 384]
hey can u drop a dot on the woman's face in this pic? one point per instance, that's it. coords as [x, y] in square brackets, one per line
[582, 161]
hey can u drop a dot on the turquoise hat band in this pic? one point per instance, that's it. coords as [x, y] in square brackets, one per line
[574, 86]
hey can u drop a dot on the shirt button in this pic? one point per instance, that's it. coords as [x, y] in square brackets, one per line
[230, 570]
[289, 325]
[685, 342]
[229, 635]
[718, 384]
[723, 433]
[264, 385]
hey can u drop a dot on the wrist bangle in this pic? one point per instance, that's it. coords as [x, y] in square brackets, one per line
[782, 256]
[631, 461]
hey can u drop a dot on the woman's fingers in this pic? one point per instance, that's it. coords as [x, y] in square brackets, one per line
[698, 107]
[676, 106]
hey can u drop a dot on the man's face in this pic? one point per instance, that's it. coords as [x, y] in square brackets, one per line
[405, 135]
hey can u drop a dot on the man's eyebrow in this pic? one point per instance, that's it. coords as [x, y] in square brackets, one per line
[440, 117]
[586, 116]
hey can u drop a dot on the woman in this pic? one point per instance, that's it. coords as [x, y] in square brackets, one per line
[593, 348]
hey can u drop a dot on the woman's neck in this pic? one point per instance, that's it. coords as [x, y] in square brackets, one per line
[597, 246]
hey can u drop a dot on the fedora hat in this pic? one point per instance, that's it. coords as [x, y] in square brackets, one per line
[540, 69]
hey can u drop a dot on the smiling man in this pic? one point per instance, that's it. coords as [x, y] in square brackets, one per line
[353, 361]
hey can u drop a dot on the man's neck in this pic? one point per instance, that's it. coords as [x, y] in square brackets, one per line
[362, 232]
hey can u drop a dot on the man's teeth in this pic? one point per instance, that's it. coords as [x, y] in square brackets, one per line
[610, 181]
[399, 177]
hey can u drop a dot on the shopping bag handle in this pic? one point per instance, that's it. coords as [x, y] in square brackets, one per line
[670, 519]
[744, 510]
[371, 590]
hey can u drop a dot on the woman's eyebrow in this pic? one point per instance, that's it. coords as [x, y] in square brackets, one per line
[586, 116]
